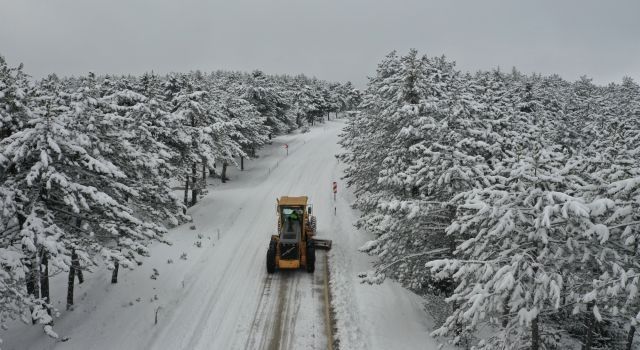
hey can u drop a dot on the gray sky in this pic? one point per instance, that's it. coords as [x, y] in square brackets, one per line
[331, 39]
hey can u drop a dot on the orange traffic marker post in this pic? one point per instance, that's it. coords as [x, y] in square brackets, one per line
[335, 190]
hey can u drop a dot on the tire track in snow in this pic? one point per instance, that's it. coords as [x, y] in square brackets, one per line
[261, 312]
[276, 334]
[292, 329]
[197, 336]
[234, 307]
[204, 313]
[296, 313]
[269, 195]
[290, 313]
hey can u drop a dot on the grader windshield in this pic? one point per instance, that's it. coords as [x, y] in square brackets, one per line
[291, 226]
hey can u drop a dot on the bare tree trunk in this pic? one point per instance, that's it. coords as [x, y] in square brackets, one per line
[75, 264]
[114, 274]
[241, 163]
[33, 279]
[535, 334]
[224, 172]
[588, 337]
[194, 188]
[44, 281]
[31, 283]
[204, 173]
[71, 281]
[632, 333]
[36, 287]
[505, 313]
[186, 192]
[194, 191]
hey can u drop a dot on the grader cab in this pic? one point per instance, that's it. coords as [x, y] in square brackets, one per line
[295, 244]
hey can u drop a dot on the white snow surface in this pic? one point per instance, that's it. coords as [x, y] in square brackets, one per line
[221, 297]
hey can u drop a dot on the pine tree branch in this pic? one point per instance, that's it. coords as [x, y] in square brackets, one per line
[412, 256]
[624, 225]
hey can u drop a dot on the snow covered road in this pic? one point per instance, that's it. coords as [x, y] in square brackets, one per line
[233, 303]
[220, 296]
[282, 318]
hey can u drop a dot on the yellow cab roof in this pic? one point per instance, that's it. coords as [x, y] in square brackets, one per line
[285, 200]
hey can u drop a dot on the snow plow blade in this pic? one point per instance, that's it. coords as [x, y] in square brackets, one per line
[322, 243]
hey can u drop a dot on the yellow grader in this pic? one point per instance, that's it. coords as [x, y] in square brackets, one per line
[295, 244]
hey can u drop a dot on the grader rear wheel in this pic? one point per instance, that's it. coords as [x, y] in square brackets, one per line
[271, 258]
[311, 257]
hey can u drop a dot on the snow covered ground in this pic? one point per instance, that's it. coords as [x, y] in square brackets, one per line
[221, 297]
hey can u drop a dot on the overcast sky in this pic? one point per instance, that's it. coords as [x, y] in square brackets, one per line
[331, 39]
